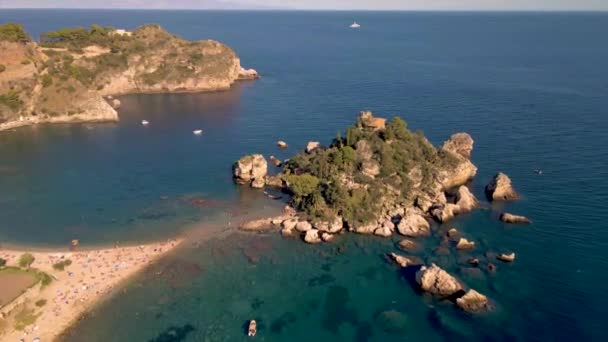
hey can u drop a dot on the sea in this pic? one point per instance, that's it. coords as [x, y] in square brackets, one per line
[530, 87]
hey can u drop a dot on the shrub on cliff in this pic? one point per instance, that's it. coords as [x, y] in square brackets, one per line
[2, 262]
[2, 68]
[79, 37]
[11, 100]
[13, 32]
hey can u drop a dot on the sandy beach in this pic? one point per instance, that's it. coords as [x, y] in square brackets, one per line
[91, 277]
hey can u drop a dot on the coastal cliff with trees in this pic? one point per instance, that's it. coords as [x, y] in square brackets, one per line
[69, 75]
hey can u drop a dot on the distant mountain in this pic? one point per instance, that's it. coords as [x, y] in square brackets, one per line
[133, 4]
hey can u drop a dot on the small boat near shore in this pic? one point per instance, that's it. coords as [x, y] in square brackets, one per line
[354, 25]
[145, 122]
[198, 132]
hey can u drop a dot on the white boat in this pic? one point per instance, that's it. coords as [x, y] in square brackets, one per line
[144, 122]
[355, 25]
[198, 132]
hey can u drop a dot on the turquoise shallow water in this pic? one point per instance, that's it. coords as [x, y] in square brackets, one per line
[529, 87]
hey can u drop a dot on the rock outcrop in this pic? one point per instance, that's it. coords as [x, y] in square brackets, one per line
[312, 145]
[516, 219]
[413, 224]
[435, 280]
[472, 301]
[465, 200]
[501, 189]
[465, 244]
[282, 144]
[251, 170]
[257, 225]
[459, 146]
[312, 236]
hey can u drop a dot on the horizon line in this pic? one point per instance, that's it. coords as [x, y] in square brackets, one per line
[540, 10]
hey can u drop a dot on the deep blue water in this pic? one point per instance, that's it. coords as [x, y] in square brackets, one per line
[531, 88]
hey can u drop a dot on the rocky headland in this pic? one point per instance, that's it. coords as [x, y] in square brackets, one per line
[72, 74]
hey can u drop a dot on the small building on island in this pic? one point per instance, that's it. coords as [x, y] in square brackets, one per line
[121, 32]
[368, 120]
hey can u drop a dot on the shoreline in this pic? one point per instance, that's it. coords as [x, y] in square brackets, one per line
[93, 277]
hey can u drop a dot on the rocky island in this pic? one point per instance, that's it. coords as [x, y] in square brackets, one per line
[378, 179]
[72, 74]
[383, 179]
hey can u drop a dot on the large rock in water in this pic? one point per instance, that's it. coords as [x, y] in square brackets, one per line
[460, 146]
[500, 189]
[435, 280]
[517, 219]
[472, 301]
[251, 170]
[413, 224]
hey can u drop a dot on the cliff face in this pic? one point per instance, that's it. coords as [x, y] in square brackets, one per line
[64, 78]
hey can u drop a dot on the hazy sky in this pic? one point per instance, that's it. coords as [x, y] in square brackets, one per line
[319, 4]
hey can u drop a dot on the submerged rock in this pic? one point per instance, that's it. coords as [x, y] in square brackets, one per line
[413, 224]
[257, 225]
[460, 144]
[500, 189]
[435, 280]
[473, 261]
[393, 321]
[312, 236]
[251, 170]
[444, 212]
[403, 261]
[407, 244]
[386, 230]
[472, 301]
[516, 219]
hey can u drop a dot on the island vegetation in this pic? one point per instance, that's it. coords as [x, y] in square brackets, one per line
[359, 173]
